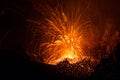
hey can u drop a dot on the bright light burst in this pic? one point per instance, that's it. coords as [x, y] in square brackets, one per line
[66, 36]
[66, 33]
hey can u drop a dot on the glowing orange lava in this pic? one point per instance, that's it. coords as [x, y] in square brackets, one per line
[68, 35]
[65, 35]
[66, 42]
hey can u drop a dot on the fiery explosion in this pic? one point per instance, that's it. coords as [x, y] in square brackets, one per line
[65, 34]
[65, 42]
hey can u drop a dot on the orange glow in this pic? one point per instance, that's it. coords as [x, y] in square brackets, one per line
[68, 34]
[65, 36]
[66, 42]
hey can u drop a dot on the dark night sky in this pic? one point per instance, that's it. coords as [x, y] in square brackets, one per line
[13, 35]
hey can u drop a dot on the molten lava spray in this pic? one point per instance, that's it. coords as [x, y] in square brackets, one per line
[65, 35]
[66, 32]
[66, 40]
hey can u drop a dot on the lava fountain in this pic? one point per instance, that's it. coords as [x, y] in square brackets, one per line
[66, 41]
[66, 33]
